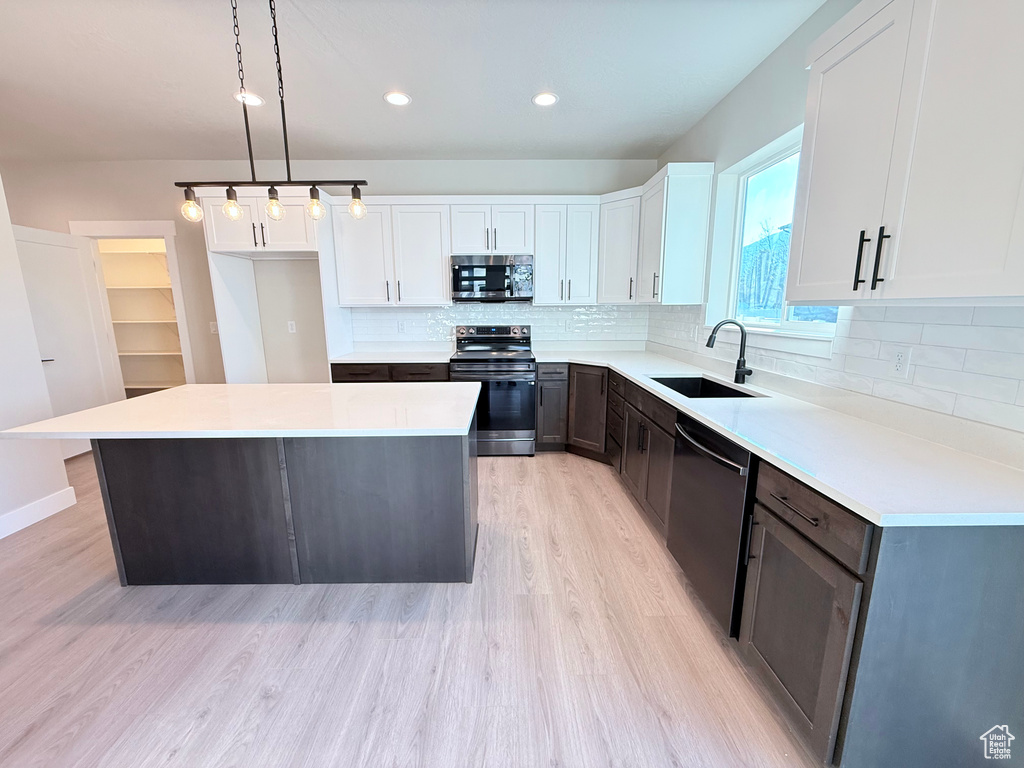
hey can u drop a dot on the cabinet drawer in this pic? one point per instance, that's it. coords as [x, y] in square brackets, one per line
[419, 372]
[553, 371]
[341, 372]
[615, 426]
[616, 383]
[836, 530]
[615, 403]
[652, 406]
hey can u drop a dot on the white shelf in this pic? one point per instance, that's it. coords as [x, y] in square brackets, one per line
[138, 287]
[149, 354]
[126, 322]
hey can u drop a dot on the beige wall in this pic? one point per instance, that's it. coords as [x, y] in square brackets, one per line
[289, 290]
[49, 195]
[765, 105]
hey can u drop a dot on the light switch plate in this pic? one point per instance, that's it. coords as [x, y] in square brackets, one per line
[291, 326]
[213, 328]
[899, 364]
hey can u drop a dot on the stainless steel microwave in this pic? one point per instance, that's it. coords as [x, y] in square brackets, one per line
[489, 277]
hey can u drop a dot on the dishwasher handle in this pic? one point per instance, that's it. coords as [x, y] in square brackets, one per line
[739, 469]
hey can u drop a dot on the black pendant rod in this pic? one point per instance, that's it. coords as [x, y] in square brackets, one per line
[285, 183]
[241, 90]
[280, 91]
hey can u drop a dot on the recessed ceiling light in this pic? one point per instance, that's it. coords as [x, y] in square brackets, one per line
[249, 98]
[397, 98]
[545, 99]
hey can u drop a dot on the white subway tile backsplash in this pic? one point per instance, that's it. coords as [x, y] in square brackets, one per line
[1005, 316]
[942, 402]
[992, 338]
[867, 366]
[860, 347]
[934, 357]
[1006, 364]
[844, 380]
[937, 315]
[990, 412]
[909, 333]
[961, 382]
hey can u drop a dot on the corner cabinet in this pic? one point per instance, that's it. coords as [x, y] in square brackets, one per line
[552, 405]
[565, 255]
[673, 246]
[588, 407]
[618, 248]
[911, 172]
[256, 232]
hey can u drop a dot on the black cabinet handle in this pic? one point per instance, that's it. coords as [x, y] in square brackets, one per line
[750, 538]
[654, 289]
[882, 237]
[387, 287]
[263, 234]
[784, 501]
[860, 257]
[47, 360]
[640, 437]
[541, 395]
[561, 289]
[399, 290]
[487, 238]
[255, 242]
[604, 377]
[631, 289]
[708, 453]
[570, 290]
[495, 238]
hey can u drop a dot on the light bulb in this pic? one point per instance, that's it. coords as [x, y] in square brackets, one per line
[545, 99]
[315, 208]
[190, 209]
[357, 208]
[231, 208]
[274, 208]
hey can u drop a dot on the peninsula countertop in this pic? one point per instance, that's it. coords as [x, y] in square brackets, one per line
[274, 410]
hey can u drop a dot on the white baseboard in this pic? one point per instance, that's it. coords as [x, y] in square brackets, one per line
[40, 509]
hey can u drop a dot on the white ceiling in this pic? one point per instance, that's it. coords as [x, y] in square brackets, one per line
[152, 79]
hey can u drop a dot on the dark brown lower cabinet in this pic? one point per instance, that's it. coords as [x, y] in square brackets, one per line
[799, 618]
[634, 459]
[646, 466]
[552, 412]
[588, 406]
[376, 372]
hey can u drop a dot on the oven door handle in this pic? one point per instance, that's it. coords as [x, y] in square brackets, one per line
[531, 378]
[708, 453]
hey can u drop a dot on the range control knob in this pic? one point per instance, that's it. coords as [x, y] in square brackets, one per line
[525, 330]
[472, 331]
[460, 331]
[515, 330]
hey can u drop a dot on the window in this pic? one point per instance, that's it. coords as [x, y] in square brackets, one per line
[761, 258]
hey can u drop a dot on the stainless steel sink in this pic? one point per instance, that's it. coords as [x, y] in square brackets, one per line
[698, 386]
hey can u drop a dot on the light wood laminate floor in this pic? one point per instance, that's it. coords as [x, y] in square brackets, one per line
[578, 644]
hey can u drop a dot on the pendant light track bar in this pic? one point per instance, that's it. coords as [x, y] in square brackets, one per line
[288, 183]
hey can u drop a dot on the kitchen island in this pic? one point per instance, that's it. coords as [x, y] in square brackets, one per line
[286, 483]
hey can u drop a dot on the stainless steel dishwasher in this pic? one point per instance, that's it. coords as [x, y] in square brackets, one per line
[713, 482]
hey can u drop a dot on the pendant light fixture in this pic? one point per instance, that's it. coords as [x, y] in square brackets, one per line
[316, 210]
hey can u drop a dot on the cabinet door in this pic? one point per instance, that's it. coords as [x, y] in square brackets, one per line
[471, 229]
[799, 616]
[512, 229]
[652, 232]
[295, 232]
[421, 244]
[849, 133]
[660, 452]
[582, 227]
[549, 255]
[620, 231]
[553, 411]
[962, 227]
[364, 257]
[634, 455]
[226, 236]
[588, 406]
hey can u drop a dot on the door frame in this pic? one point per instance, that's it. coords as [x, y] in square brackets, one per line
[114, 230]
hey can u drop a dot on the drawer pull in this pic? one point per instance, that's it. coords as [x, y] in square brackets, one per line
[784, 501]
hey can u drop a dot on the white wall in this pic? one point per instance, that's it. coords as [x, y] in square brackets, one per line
[33, 483]
[49, 194]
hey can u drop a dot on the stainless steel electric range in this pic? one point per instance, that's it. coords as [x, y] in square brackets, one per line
[500, 358]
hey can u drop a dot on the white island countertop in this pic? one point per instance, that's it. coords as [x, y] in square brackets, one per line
[274, 410]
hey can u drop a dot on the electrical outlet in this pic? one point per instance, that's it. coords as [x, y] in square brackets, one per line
[401, 326]
[899, 365]
[213, 328]
[291, 326]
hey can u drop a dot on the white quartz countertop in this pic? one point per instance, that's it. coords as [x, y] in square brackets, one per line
[888, 477]
[274, 410]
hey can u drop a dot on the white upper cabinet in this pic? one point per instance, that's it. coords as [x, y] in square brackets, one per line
[565, 254]
[618, 243]
[912, 165]
[422, 244]
[504, 229]
[674, 218]
[255, 231]
[364, 257]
